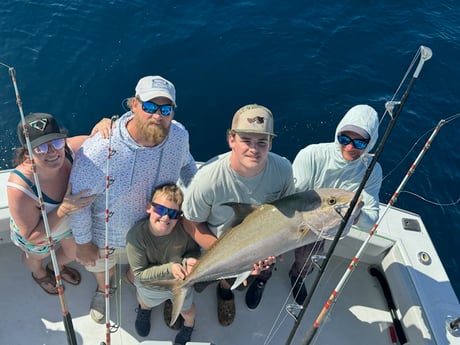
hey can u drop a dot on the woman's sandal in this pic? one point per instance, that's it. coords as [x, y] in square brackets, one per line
[47, 283]
[69, 274]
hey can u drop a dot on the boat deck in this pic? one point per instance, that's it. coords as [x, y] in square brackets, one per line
[33, 317]
[403, 249]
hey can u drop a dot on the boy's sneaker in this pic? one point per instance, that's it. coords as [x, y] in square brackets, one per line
[254, 294]
[142, 323]
[184, 335]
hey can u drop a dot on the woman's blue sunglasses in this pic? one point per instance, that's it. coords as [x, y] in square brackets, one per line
[43, 148]
[359, 144]
[163, 210]
[152, 108]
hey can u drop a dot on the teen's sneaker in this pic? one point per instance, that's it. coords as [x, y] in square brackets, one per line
[254, 293]
[142, 323]
[97, 307]
[184, 335]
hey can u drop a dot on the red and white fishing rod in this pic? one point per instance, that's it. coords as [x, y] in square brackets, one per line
[108, 181]
[67, 318]
[354, 261]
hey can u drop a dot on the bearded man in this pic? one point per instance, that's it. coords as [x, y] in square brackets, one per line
[148, 149]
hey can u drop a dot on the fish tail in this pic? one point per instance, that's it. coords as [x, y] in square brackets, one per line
[179, 293]
[178, 290]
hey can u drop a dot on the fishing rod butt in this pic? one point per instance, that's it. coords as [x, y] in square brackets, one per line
[309, 336]
[69, 330]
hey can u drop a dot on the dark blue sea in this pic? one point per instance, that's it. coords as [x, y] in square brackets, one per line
[308, 61]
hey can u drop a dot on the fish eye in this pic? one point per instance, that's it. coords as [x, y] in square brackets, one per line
[332, 200]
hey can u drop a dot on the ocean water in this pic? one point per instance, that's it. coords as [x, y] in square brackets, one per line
[307, 61]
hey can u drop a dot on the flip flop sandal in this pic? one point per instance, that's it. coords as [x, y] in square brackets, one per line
[46, 282]
[225, 309]
[68, 274]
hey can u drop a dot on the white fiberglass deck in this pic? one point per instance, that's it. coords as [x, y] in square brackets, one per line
[421, 290]
[30, 316]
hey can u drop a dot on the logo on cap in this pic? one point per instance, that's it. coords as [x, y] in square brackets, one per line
[39, 124]
[258, 120]
[253, 118]
[159, 84]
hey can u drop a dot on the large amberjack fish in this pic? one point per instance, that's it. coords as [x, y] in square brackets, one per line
[266, 230]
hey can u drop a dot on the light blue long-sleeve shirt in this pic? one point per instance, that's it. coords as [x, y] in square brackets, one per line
[323, 166]
[134, 172]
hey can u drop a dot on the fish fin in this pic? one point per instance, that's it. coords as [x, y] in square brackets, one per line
[178, 290]
[167, 284]
[240, 211]
[240, 278]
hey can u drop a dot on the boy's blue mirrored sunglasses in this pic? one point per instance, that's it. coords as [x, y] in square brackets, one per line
[152, 108]
[162, 210]
[43, 148]
[359, 144]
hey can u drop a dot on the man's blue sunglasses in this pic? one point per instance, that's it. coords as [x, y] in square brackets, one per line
[43, 148]
[162, 210]
[152, 108]
[359, 144]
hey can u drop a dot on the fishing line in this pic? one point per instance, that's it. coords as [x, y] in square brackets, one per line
[309, 265]
[67, 318]
[401, 161]
[430, 201]
[292, 309]
[425, 54]
[446, 121]
[389, 106]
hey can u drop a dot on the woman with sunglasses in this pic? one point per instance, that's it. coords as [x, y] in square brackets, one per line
[339, 164]
[158, 248]
[53, 155]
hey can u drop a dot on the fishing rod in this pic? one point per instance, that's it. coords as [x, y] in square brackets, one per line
[109, 181]
[425, 54]
[67, 318]
[396, 322]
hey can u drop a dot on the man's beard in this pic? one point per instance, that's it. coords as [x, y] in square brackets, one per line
[153, 134]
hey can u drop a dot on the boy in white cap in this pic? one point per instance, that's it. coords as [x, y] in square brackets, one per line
[249, 173]
[338, 164]
[149, 149]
